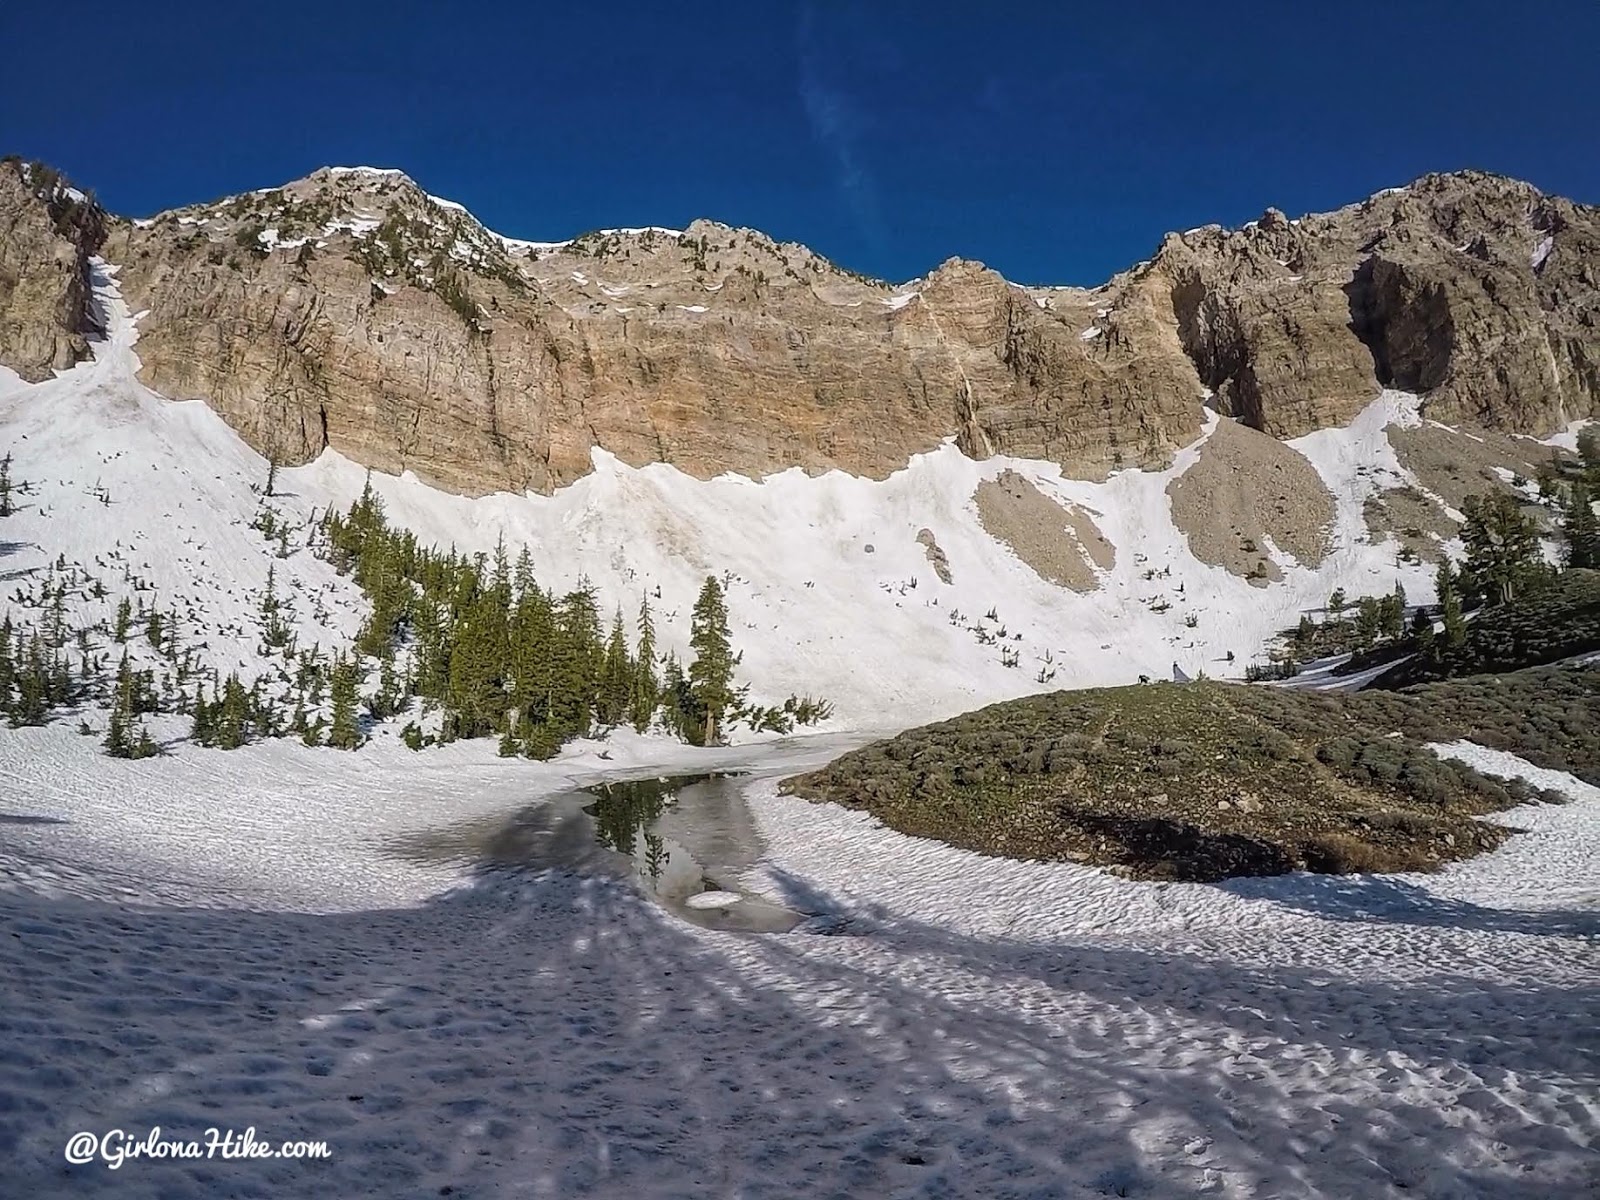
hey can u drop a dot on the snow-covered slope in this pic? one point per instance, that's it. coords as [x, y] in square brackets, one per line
[225, 940]
[830, 592]
[154, 501]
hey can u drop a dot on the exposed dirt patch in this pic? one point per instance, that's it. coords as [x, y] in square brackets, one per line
[1455, 464]
[1248, 487]
[1062, 544]
[1093, 543]
[1416, 521]
[936, 556]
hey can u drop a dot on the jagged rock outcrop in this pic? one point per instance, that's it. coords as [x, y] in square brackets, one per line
[48, 231]
[1478, 291]
[351, 309]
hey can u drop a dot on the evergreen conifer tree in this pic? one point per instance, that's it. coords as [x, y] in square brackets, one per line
[1502, 546]
[32, 703]
[477, 699]
[344, 733]
[532, 635]
[1447, 583]
[8, 672]
[116, 743]
[644, 690]
[1580, 530]
[711, 672]
[616, 676]
[577, 663]
[6, 508]
[233, 715]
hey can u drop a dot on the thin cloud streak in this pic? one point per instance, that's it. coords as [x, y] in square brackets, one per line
[836, 122]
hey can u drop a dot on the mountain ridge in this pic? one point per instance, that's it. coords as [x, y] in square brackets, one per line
[353, 309]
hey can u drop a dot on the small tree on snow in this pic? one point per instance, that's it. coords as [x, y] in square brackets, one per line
[711, 672]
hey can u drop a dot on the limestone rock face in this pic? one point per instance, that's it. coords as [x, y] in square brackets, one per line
[48, 231]
[1480, 292]
[351, 309]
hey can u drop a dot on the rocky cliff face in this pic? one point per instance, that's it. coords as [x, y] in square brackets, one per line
[351, 309]
[48, 231]
[1480, 292]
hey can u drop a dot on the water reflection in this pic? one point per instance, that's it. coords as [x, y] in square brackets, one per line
[687, 841]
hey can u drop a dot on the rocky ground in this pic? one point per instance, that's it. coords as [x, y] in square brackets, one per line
[1245, 489]
[1060, 543]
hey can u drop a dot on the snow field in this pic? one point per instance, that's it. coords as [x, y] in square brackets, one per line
[192, 949]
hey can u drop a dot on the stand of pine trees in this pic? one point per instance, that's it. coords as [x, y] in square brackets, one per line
[474, 639]
[499, 655]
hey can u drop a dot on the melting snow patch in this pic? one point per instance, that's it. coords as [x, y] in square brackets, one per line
[1089, 334]
[902, 300]
[1541, 252]
[713, 900]
[694, 308]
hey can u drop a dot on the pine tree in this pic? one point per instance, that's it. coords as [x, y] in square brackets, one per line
[1424, 636]
[508, 744]
[616, 676]
[204, 730]
[1589, 451]
[645, 691]
[124, 618]
[116, 743]
[532, 637]
[233, 715]
[8, 671]
[1369, 620]
[6, 508]
[578, 660]
[1502, 546]
[477, 697]
[431, 650]
[522, 579]
[344, 733]
[32, 703]
[1447, 583]
[272, 475]
[1394, 625]
[711, 672]
[1580, 530]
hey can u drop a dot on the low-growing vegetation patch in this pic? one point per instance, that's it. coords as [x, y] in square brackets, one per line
[1209, 780]
[1557, 618]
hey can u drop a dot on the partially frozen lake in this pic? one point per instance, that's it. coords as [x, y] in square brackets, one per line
[687, 841]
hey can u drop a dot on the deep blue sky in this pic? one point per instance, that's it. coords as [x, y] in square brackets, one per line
[1055, 141]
